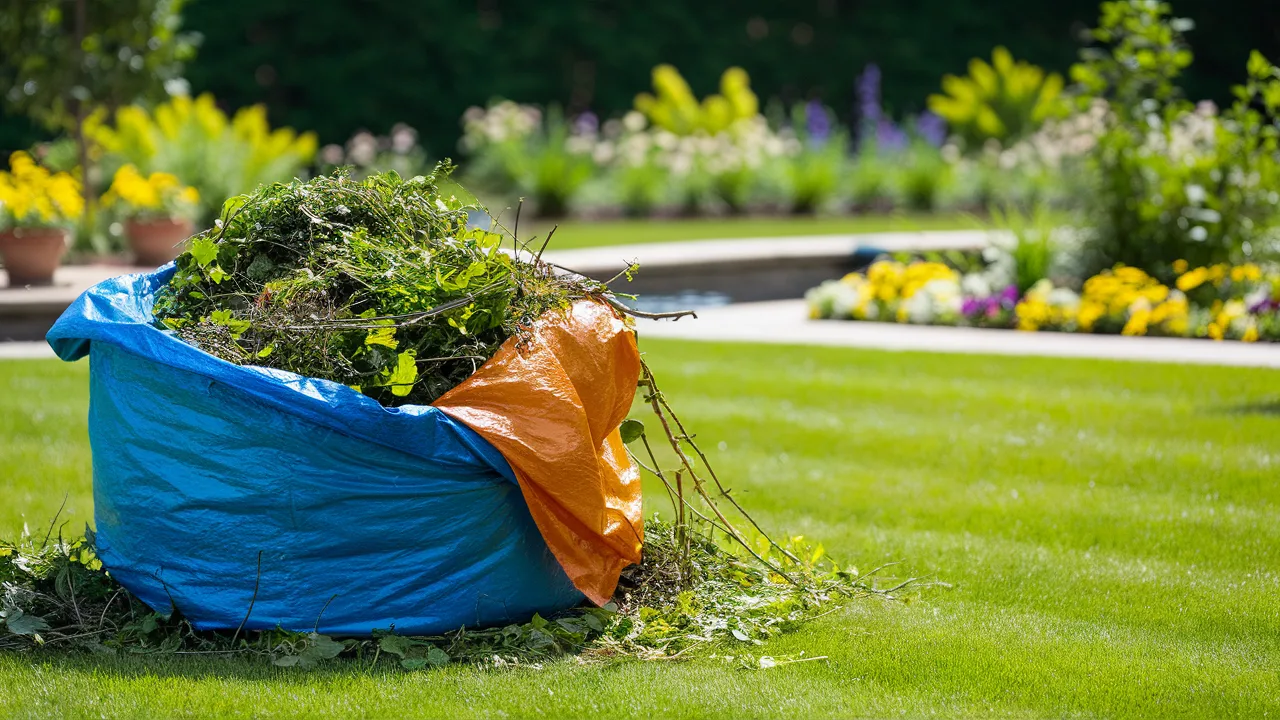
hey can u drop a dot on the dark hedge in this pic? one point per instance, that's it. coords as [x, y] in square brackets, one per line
[336, 67]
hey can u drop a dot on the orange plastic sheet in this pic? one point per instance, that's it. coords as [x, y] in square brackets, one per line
[552, 404]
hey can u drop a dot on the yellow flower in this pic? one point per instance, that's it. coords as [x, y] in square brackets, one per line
[1088, 315]
[158, 192]
[1179, 266]
[1191, 280]
[1215, 331]
[1250, 333]
[31, 195]
[1155, 293]
[1248, 272]
[1032, 313]
[1137, 323]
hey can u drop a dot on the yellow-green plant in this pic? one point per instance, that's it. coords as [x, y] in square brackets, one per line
[32, 196]
[1004, 100]
[158, 195]
[195, 141]
[673, 107]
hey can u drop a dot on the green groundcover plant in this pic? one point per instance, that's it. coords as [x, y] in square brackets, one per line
[56, 595]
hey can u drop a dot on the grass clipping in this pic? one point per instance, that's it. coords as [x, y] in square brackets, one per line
[377, 284]
[380, 285]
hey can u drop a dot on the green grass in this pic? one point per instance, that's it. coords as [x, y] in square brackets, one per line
[574, 233]
[1111, 532]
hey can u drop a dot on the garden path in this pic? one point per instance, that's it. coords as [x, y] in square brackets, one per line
[787, 322]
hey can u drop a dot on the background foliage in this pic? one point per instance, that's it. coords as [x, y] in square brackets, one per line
[339, 67]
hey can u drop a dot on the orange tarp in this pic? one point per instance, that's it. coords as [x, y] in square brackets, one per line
[552, 404]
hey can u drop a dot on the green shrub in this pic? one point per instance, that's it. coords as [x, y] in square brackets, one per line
[674, 108]
[1173, 181]
[514, 150]
[1033, 250]
[870, 176]
[816, 170]
[1004, 101]
[922, 174]
[219, 156]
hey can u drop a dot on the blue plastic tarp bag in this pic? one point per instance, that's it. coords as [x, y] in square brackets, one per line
[212, 479]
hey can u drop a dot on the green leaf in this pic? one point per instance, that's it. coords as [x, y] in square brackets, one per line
[385, 337]
[1259, 67]
[217, 274]
[631, 430]
[266, 351]
[405, 374]
[320, 647]
[436, 656]
[204, 251]
[19, 623]
[233, 204]
[395, 645]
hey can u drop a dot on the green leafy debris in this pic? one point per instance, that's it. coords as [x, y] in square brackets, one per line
[377, 284]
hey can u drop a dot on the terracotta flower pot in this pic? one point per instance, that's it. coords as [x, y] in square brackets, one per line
[31, 255]
[156, 242]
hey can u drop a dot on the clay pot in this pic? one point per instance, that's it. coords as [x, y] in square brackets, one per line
[156, 242]
[32, 254]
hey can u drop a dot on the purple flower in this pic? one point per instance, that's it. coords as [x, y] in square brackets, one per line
[1008, 297]
[889, 136]
[819, 124]
[970, 306]
[586, 124]
[932, 128]
[868, 92]
[1265, 306]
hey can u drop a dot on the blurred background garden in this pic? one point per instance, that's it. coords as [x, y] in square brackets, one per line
[1095, 139]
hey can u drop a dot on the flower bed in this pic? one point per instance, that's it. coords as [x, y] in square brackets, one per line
[1220, 302]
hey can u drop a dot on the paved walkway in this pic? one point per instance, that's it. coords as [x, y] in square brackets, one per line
[25, 350]
[786, 322]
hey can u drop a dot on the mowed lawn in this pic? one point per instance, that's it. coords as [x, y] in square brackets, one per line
[1110, 532]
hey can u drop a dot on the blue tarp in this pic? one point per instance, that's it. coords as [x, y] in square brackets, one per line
[210, 479]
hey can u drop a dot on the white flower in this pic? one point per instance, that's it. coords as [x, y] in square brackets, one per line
[976, 285]
[403, 138]
[844, 298]
[579, 145]
[938, 298]
[332, 154]
[1064, 298]
[603, 153]
[362, 148]
[633, 121]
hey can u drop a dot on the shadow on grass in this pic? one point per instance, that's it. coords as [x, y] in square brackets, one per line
[1264, 407]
